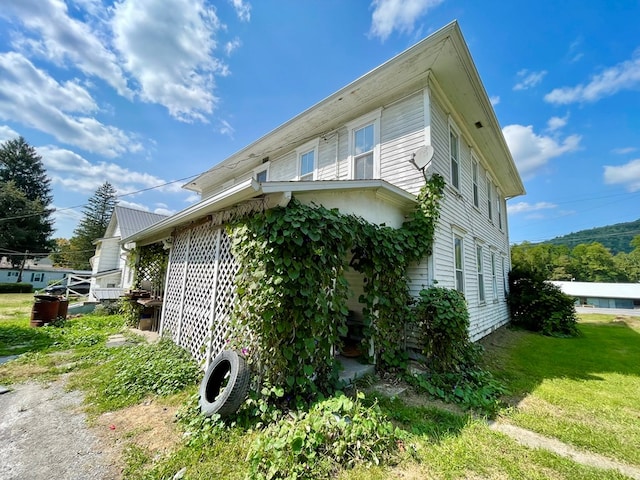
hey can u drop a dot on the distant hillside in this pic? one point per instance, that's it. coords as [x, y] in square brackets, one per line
[615, 237]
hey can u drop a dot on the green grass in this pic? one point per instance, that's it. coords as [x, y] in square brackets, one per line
[584, 391]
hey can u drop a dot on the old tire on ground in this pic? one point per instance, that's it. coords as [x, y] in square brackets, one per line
[225, 384]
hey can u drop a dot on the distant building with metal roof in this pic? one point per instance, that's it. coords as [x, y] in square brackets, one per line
[603, 295]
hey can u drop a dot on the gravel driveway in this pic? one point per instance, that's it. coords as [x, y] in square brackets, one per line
[44, 435]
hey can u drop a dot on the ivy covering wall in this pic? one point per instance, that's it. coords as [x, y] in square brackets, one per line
[291, 306]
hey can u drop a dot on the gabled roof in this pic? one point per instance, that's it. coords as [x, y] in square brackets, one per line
[442, 56]
[130, 221]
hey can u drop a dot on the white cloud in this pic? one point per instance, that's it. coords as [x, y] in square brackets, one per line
[556, 123]
[531, 151]
[65, 39]
[164, 211]
[243, 10]
[226, 129]
[7, 133]
[30, 96]
[524, 207]
[624, 150]
[167, 45]
[623, 76]
[529, 79]
[495, 100]
[400, 15]
[77, 174]
[232, 46]
[627, 175]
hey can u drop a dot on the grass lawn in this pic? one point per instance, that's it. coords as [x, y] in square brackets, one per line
[584, 391]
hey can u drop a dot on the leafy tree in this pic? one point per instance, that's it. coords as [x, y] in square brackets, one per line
[20, 226]
[96, 216]
[21, 170]
[593, 262]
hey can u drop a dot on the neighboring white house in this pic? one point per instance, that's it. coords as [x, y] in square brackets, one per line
[602, 295]
[39, 273]
[353, 151]
[110, 270]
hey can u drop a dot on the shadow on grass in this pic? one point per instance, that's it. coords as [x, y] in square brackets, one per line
[18, 337]
[524, 359]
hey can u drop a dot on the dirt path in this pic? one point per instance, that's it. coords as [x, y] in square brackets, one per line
[44, 436]
[535, 440]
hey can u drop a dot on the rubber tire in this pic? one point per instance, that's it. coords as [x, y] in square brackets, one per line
[228, 402]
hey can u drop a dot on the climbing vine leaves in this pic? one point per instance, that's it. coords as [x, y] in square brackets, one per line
[292, 293]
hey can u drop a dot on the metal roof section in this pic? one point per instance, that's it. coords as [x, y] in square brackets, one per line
[279, 191]
[130, 221]
[600, 290]
[443, 56]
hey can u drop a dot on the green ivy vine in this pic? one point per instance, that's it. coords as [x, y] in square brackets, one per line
[291, 306]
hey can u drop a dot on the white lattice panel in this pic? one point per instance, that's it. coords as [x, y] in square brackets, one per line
[200, 291]
[174, 287]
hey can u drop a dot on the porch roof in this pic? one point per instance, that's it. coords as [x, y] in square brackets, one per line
[278, 194]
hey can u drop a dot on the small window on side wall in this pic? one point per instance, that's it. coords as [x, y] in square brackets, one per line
[307, 165]
[458, 252]
[454, 152]
[364, 144]
[261, 176]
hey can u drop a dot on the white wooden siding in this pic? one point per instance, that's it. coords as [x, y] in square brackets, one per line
[458, 214]
[402, 133]
[405, 126]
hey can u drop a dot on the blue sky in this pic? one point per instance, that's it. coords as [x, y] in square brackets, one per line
[146, 94]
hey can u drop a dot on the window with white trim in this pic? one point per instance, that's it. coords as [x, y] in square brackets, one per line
[458, 253]
[307, 165]
[454, 153]
[261, 175]
[489, 199]
[494, 277]
[479, 261]
[499, 209]
[364, 146]
[307, 160]
[37, 277]
[476, 193]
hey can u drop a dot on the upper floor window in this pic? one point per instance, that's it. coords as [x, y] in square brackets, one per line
[307, 165]
[261, 176]
[499, 209]
[307, 160]
[490, 199]
[365, 146]
[363, 152]
[458, 253]
[476, 194]
[454, 152]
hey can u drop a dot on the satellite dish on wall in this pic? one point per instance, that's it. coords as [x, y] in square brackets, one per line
[422, 157]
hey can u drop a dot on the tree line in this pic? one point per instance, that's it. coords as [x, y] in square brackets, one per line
[26, 212]
[586, 262]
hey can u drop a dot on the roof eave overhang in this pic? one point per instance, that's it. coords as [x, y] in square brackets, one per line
[250, 189]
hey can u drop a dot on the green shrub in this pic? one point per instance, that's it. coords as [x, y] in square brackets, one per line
[442, 320]
[16, 288]
[335, 433]
[540, 306]
[452, 360]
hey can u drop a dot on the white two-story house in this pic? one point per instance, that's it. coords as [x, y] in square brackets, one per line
[353, 151]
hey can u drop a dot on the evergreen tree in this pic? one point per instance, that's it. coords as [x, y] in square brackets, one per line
[96, 216]
[29, 225]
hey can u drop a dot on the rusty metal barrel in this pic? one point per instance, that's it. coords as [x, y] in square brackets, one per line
[45, 310]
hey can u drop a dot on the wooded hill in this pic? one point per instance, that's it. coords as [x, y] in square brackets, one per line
[614, 237]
